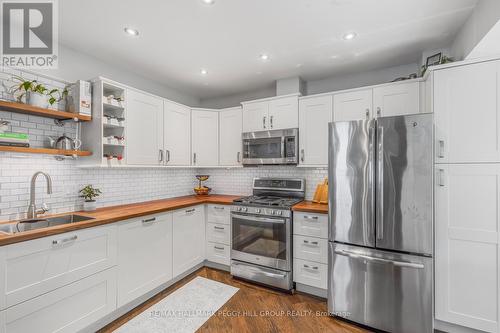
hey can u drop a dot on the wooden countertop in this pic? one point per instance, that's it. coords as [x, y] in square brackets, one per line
[118, 213]
[311, 207]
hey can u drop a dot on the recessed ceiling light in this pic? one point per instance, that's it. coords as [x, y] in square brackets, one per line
[264, 57]
[203, 72]
[208, 2]
[131, 32]
[350, 36]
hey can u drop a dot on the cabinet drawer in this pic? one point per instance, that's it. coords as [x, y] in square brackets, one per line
[310, 273]
[310, 224]
[218, 253]
[218, 214]
[310, 248]
[67, 309]
[218, 233]
[38, 266]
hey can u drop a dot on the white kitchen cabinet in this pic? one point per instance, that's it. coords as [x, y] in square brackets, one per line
[314, 115]
[310, 248]
[230, 129]
[397, 99]
[205, 137]
[310, 273]
[177, 133]
[32, 268]
[188, 238]
[144, 131]
[353, 105]
[219, 253]
[284, 113]
[467, 113]
[467, 252]
[310, 224]
[70, 308]
[144, 255]
[255, 116]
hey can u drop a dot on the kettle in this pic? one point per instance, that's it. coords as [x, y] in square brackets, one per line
[64, 142]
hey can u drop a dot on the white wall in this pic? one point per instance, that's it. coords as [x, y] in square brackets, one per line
[74, 65]
[236, 99]
[485, 15]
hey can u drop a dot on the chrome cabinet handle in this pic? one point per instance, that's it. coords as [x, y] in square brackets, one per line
[238, 157]
[64, 240]
[441, 149]
[313, 267]
[307, 242]
[194, 158]
[379, 111]
[190, 210]
[264, 121]
[168, 156]
[441, 178]
[160, 155]
[218, 247]
[218, 228]
[149, 220]
[271, 121]
[302, 155]
[367, 113]
[217, 207]
[307, 217]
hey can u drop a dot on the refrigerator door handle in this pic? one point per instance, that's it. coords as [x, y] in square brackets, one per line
[397, 263]
[380, 183]
[371, 172]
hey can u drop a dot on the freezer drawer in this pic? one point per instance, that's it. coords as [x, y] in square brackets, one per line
[388, 291]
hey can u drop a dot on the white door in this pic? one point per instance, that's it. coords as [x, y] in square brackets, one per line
[144, 255]
[205, 137]
[188, 239]
[314, 115]
[284, 113]
[177, 133]
[230, 145]
[467, 253]
[467, 113]
[397, 99]
[144, 131]
[255, 116]
[353, 105]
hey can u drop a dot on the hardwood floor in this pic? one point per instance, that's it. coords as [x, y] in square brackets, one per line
[255, 309]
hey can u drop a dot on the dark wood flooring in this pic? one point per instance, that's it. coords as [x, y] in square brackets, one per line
[255, 309]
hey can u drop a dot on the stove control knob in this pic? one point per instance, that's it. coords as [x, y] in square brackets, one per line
[245, 209]
[280, 213]
[257, 210]
[239, 209]
[272, 212]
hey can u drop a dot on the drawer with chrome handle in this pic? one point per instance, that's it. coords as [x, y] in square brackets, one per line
[64, 240]
[218, 233]
[218, 253]
[218, 214]
[310, 248]
[310, 224]
[310, 273]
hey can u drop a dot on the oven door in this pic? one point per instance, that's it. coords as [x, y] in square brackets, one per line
[261, 240]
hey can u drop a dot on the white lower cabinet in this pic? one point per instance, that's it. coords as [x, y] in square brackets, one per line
[310, 224]
[67, 309]
[144, 255]
[219, 234]
[35, 267]
[310, 273]
[467, 252]
[188, 238]
[219, 253]
[310, 248]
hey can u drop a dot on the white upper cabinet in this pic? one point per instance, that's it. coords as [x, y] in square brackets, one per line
[284, 113]
[177, 133]
[255, 116]
[466, 258]
[205, 137]
[314, 115]
[466, 111]
[230, 129]
[396, 99]
[352, 105]
[144, 132]
[272, 114]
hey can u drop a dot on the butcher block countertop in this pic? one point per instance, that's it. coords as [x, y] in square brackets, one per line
[311, 207]
[118, 213]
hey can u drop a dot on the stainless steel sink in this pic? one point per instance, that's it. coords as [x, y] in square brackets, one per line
[39, 223]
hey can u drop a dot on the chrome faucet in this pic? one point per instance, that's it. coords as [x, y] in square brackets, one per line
[32, 211]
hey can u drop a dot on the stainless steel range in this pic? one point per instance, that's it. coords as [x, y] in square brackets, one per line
[262, 232]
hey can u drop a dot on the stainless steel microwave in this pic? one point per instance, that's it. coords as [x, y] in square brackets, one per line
[271, 147]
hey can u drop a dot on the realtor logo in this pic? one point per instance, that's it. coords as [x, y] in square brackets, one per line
[29, 33]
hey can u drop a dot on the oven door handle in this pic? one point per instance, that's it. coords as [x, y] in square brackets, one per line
[258, 271]
[258, 219]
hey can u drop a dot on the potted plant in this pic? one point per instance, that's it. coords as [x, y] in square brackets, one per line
[36, 93]
[89, 193]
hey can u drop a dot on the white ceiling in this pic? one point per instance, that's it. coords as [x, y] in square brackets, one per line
[302, 37]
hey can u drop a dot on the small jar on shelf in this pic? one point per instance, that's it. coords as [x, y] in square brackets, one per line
[110, 159]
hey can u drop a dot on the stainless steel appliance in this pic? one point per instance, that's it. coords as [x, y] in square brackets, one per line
[381, 222]
[271, 147]
[261, 231]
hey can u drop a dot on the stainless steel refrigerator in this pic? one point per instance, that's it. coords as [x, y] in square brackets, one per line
[381, 222]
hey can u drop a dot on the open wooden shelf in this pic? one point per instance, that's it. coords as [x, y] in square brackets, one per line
[49, 151]
[34, 110]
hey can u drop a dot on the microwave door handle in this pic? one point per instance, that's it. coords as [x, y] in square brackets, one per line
[258, 219]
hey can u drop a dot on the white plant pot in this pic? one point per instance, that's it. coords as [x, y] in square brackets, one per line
[37, 99]
[89, 206]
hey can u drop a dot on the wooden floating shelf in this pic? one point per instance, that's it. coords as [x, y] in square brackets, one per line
[49, 151]
[34, 110]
